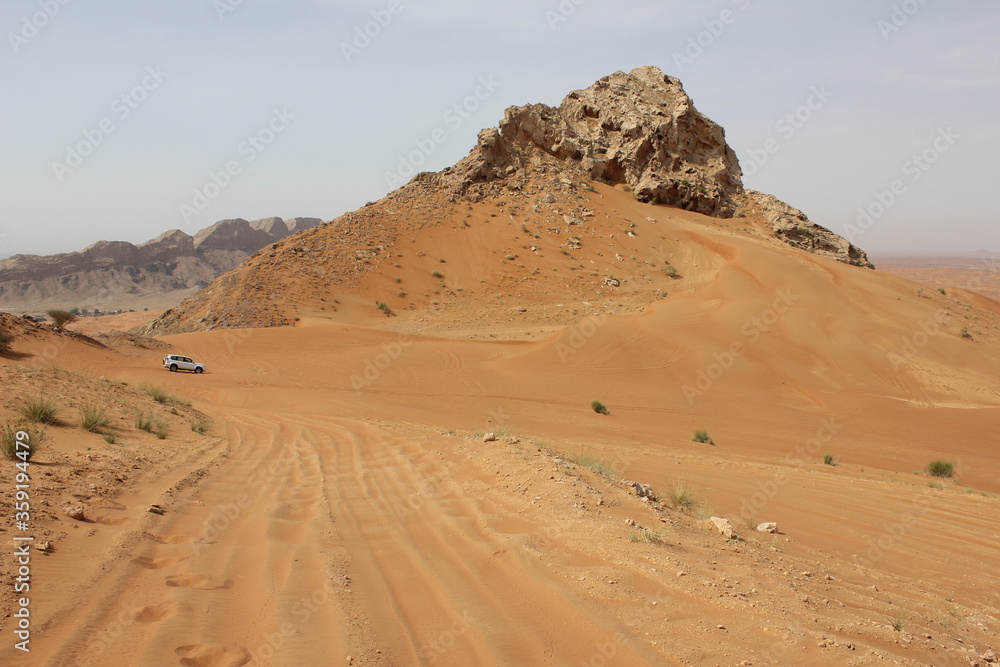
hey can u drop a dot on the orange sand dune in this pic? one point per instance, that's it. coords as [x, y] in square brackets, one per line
[343, 511]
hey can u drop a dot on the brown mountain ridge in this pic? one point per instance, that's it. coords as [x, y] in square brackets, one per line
[119, 274]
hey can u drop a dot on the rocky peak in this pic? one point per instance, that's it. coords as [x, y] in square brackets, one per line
[640, 129]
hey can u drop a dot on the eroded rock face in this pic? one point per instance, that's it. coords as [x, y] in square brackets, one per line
[172, 261]
[640, 129]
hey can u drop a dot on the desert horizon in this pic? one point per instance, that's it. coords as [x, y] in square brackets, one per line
[561, 376]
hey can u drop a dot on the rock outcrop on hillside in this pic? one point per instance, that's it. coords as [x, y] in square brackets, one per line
[110, 270]
[640, 129]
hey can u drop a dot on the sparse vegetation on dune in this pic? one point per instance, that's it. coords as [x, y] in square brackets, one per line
[940, 468]
[597, 464]
[702, 437]
[151, 423]
[200, 425]
[599, 408]
[160, 395]
[93, 418]
[6, 338]
[61, 317]
[681, 496]
[39, 410]
[9, 441]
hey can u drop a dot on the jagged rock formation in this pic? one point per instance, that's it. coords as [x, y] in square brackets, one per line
[637, 131]
[114, 270]
[640, 129]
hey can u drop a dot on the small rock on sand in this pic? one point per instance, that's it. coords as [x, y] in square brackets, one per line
[75, 513]
[724, 527]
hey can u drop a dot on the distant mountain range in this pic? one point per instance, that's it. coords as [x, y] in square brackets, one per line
[112, 275]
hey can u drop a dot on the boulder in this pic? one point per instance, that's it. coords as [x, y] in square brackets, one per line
[644, 491]
[723, 526]
[767, 527]
[75, 513]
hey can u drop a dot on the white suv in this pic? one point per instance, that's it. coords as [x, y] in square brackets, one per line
[176, 362]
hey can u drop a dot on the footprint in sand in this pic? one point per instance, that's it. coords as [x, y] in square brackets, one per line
[213, 655]
[155, 563]
[156, 613]
[198, 582]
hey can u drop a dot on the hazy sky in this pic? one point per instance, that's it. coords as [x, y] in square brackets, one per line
[123, 119]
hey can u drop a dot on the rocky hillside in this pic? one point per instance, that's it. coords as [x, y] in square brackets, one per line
[115, 274]
[642, 130]
[536, 173]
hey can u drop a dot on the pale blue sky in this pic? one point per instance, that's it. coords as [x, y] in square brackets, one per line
[199, 80]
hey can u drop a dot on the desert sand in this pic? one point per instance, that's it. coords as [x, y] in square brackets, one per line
[344, 506]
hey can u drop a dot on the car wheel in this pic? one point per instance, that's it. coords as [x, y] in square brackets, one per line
[199, 369]
[173, 368]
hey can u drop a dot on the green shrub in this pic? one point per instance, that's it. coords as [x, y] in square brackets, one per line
[110, 438]
[599, 408]
[384, 307]
[6, 338]
[8, 441]
[598, 465]
[828, 460]
[93, 418]
[681, 496]
[669, 270]
[940, 468]
[438, 274]
[199, 425]
[40, 410]
[160, 395]
[61, 317]
[703, 437]
[650, 536]
[150, 423]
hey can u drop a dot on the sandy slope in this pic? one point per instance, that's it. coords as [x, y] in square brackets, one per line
[343, 512]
